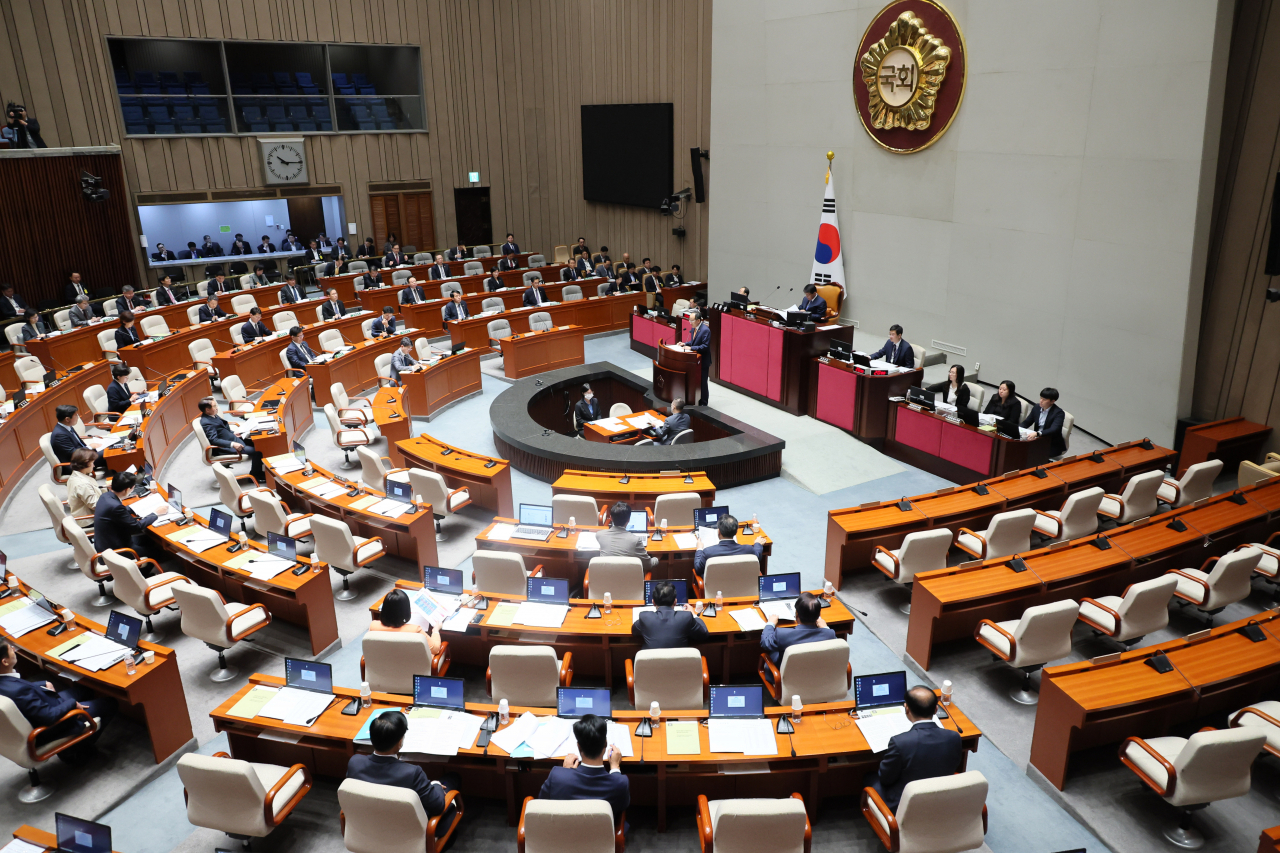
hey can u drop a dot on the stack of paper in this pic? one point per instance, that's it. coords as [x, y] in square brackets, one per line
[365, 502]
[748, 619]
[879, 729]
[313, 483]
[781, 609]
[326, 490]
[636, 611]
[156, 503]
[587, 541]
[439, 732]
[644, 421]
[687, 541]
[538, 615]
[750, 737]
[459, 621]
[25, 620]
[683, 738]
[610, 424]
[296, 707]
[103, 442]
[96, 653]
[285, 463]
[253, 702]
[503, 614]
[501, 532]
[198, 539]
[17, 845]
[388, 507]
[708, 536]
[515, 734]
[264, 567]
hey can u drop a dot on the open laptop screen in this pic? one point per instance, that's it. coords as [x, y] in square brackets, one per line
[448, 581]
[535, 514]
[399, 491]
[220, 522]
[175, 497]
[707, 516]
[682, 591]
[125, 630]
[786, 585]
[81, 836]
[548, 590]
[282, 546]
[308, 675]
[737, 700]
[438, 692]
[885, 688]
[580, 701]
[638, 522]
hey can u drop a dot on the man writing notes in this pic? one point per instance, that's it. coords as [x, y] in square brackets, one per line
[617, 541]
[925, 751]
[896, 350]
[384, 767]
[810, 628]
[666, 627]
[728, 546]
[813, 303]
[1047, 420]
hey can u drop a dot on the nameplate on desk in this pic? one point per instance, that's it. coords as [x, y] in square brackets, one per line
[915, 408]
[952, 419]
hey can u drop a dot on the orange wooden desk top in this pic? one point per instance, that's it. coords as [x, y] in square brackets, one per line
[658, 484]
[345, 503]
[570, 543]
[37, 836]
[1076, 559]
[1024, 485]
[1083, 467]
[980, 581]
[463, 461]
[1265, 494]
[943, 503]
[877, 515]
[605, 432]
[1229, 428]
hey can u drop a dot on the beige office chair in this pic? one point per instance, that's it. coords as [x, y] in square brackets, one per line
[352, 411]
[1068, 423]
[527, 675]
[389, 819]
[1251, 472]
[18, 744]
[923, 551]
[816, 672]
[1261, 716]
[30, 372]
[233, 495]
[682, 437]
[88, 560]
[382, 366]
[943, 814]
[347, 438]
[13, 333]
[373, 473]
[1142, 610]
[976, 395]
[283, 355]
[1043, 634]
[245, 800]
[390, 660]
[320, 311]
[57, 512]
[537, 261]
[582, 509]
[202, 289]
[343, 551]
[147, 596]
[619, 409]
[679, 306]
[677, 679]
[1211, 590]
[202, 353]
[622, 577]
[207, 617]
[62, 319]
[193, 315]
[493, 303]
[473, 268]
[59, 472]
[271, 516]
[677, 508]
[211, 454]
[497, 330]
[423, 258]
[501, 573]
[246, 282]
[366, 328]
[600, 293]
[235, 395]
[1009, 533]
[1138, 500]
[571, 293]
[243, 303]
[1196, 483]
[153, 326]
[107, 343]
[284, 320]
[95, 401]
[754, 826]
[331, 340]
[569, 826]
[449, 287]
[735, 577]
[237, 334]
[422, 347]
[481, 251]
[540, 321]
[432, 489]
[1078, 516]
[1189, 773]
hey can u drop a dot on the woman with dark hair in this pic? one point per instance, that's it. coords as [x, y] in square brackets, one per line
[1004, 403]
[126, 335]
[82, 488]
[394, 616]
[31, 326]
[953, 391]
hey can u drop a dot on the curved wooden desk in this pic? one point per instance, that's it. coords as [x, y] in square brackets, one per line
[853, 533]
[641, 491]
[429, 315]
[444, 382]
[487, 478]
[152, 695]
[355, 370]
[537, 352]
[258, 364]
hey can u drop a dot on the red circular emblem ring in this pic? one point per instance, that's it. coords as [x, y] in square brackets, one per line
[828, 244]
[909, 75]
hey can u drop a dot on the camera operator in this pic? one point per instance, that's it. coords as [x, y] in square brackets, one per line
[21, 131]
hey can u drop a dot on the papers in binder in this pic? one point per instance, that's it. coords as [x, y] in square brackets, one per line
[708, 536]
[878, 729]
[296, 707]
[538, 615]
[750, 737]
[748, 619]
[782, 609]
[587, 541]
[636, 611]
[25, 620]
[285, 463]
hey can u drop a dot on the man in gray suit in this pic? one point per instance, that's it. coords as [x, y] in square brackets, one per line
[80, 313]
[617, 541]
[402, 360]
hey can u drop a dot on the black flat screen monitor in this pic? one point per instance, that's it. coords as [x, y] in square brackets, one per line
[623, 167]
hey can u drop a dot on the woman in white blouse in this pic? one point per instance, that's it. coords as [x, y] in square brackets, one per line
[82, 488]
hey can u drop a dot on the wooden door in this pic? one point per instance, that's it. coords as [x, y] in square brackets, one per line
[407, 215]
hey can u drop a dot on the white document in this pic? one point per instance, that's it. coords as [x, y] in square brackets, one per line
[587, 541]
[153, 502]
[388, 507]
[296, 707]
[750, 737]
[328, 490]
[198, 542]
[549, 739]
[267, 566]
[618, 736]
[538, 615]
[26, 620]
[501, 532]
[107, 441]
[287, 466]
[441, 735]
[986, 420]
[96, 653]
[878, 729]
[17, 845]
[782, 609]
[708, 536]
[132, 418]
[748, 619]
[687, 541]
[636, 611]
[515, 734]
[611, 424]
[459, 621]
[430, 610]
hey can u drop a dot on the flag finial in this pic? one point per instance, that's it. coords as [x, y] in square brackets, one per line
[831, 155]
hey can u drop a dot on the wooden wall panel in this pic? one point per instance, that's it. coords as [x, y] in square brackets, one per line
[503, 80]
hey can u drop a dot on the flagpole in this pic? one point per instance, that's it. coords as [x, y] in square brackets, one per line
[831, 155]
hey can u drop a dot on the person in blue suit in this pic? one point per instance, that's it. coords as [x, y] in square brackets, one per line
[925, 751]
[385, 325]
[1047, 421]
[813, 303]
[64, 439]
[596, 776]
[896, 350]
[455, 308]
[219, 434]
[298, 352]
[700, 342]
[254, 327]
[677, 423]
[728, 546]
[535, 294]
[384, 767]
[666, 627]
[810, 628]
[44, 705]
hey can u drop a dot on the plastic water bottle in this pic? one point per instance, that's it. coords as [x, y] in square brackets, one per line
[719, 600]
[365, 695]
[244, 539]
[946, 692]
[663, 528]
[130, 667]
[315, 563]
[828, 590]
[654, 712]
[504, 712]
[608, 603]
[573, 525]
[796, 707]
[755, 523]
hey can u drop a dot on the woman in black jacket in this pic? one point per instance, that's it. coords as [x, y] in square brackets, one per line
[1004, 404]
[953, 391]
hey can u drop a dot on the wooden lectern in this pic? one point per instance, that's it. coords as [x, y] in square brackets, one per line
[677, 373]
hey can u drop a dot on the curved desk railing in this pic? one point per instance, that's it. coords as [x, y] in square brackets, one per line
[487, 478]
[641, 491]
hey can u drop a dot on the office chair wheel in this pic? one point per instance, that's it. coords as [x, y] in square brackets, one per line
[37, 790]
[346, 593]
[1024, 695]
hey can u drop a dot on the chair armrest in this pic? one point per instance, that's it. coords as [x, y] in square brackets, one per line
[363, 413]
[977, 536]
[234, 401]
[566, 670]
[434, 822]
[631, 681]
[704, 824]
[240, 478]
[1272, 538]
[1204, 567]
[382, 550]
[536, 573]
[706, 681]
[699, 587]
[897, 564]
[808, 829]
[488, 681]
[869, 799]
[364, 436]
[105, 419]
[1203, 584]
[268, 809]
[1095, 626]
[848, 675]
[1013, 644]
[1234, 720]
[224, 455]
[1051, 518]
[1177, 489]
[520, 827]
[152, 587]
[77, 711]
[1118, 500]
[763, 666]
[448, 499]
[235, 638]
[1166, 791]
[440, 660]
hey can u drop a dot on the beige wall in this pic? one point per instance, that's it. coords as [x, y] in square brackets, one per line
[503, 82]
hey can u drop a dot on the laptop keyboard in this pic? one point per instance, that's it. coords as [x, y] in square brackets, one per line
[524, 531]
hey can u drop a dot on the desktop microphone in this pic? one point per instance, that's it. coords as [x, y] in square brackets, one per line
[775, 293]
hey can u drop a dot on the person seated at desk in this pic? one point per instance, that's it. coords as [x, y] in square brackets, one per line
[290, 243]
[675, 278]
[617, 541]
[315, 255]
[395, 257]
[219, 433]
[119, 397]
[590, 777]
[298, 352]
[1047, 420]
[368, 250]
[383, 767]
[333, 307]
[324, 242]
[44, 705]
[896, 350]
[459, 253]
[455, 309]
[810, 628]
[493, 283]
[586, 409]
[581, 266]
[210, 248]
[163, 254]
[266, 246]
[290, 293]
[438, 271]
[127, 334]
[128, 301]
[11, 304]
[651, 281]
[338, 258]
[82, 489]
[75, 288]
[116, 525]
[218, 284]
[259, 276]
[580, 248]
[81, 314]
[371, 280]
[676, 423]
[240, 246]
[666, 627]
[925, 751]
[1004, 403]
[535, 294]
[603, 270]
[508, 262]
[210, 310]
[385, 325]
[953, 391]
[31, 326]
[394, 616]
[510, 247]
[813, 303]
[728, 546]
[745, 291]
[164, 292]
[627, 280]
[412, 293]
[402, 360]
[192, 252]
[65, 440]
[254, 328]
[573, 273]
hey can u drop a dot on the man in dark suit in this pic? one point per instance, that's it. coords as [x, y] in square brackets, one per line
[386, 735]
[1047, 420]
[394, 258]
[298, 352]
[580, 248]
[240, 246]
[64, 439]
[75, 287]
[700, 342]
[896, 350]
[627, 280]
[218, 284]
[210, 248]
[535, 294]
[116, 525]
[290, 293]
[210, 310]
[508, 263]
[371, 280]
[675, 277]
[493, 283]
[254, 328]
[315, 255]
[119, 397]
[580, 268]
[265, 246]
[586, 409]
[412, 293]
[617, 541]
[675, 424]
[192, 252]
[570, 274]
[925, 751]
[324, 242]
[456, 309]
[338, 258]
[727, 546]
[367, 250]
[43, 705]
[510, 247]
[333, 306]
[385, 325]
[164, 293]
[11, 304]
[459, 253]
[81, 313]
[163, 254]
[666, 627]
[219, 433]
[438, 271]
[810, 628]
[290, 243]
[128, 301]
[590, 777]
[813, 303]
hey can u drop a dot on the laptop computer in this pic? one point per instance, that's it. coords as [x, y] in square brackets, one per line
[547, 590]
[175, 496]
[708, 516]
[308, 675]
[638, 523]
[19, 398]
[443, 581]
[737, 700]
[778, 594]
[220, 523]
[877, 692]
[300, 453]
[577, 702]
[682, 591]
[76, 835]
[398, 490]
[430, 691]
[535, 523]
[125, 630]
[284, 547]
